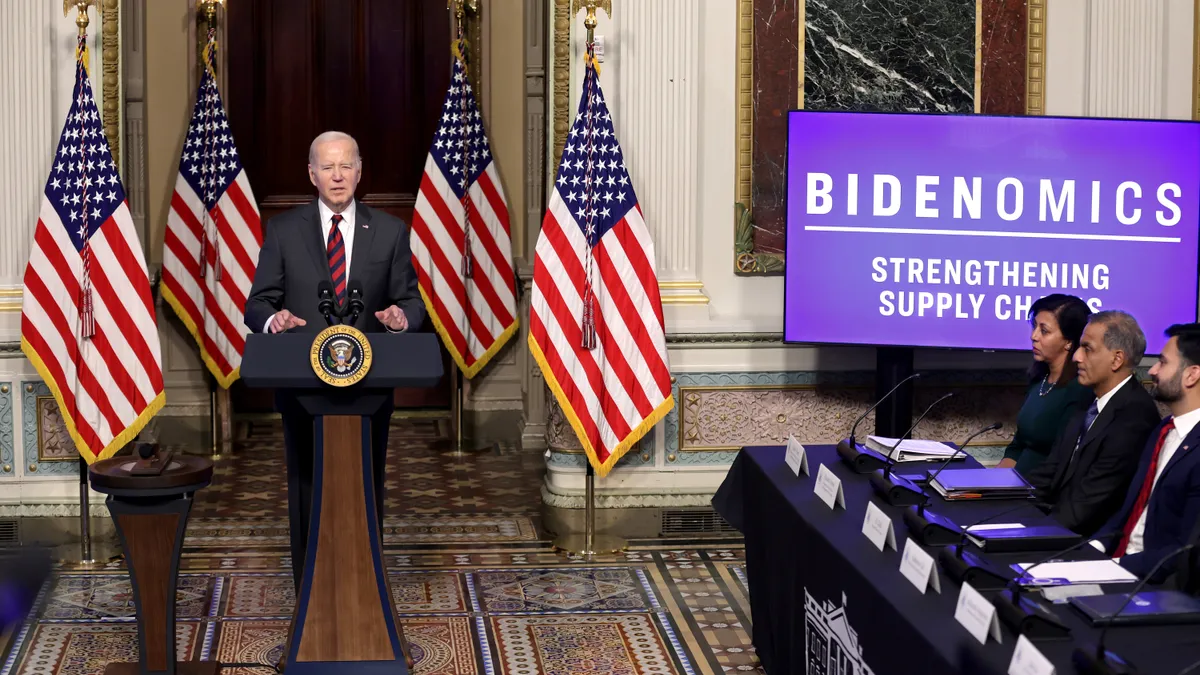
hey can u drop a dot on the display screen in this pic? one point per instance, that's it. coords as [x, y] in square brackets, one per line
[930, 230]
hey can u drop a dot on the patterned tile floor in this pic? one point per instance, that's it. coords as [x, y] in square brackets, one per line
[476, 583]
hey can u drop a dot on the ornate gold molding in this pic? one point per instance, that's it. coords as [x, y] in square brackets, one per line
[745, 101]
[110, 47]
[1196, 60]
[1035, 58]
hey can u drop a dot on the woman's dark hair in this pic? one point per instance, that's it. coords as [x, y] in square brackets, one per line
[1072, 315]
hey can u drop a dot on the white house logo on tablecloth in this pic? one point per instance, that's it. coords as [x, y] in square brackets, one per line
[830, 643]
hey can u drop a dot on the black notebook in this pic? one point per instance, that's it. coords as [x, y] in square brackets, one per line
[1147, 608]
[1051, 537]
[981, 484]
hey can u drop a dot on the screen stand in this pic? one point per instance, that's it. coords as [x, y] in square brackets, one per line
[894, 416]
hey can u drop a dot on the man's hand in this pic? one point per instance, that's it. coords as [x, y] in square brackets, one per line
[285, 320]
[393, 318]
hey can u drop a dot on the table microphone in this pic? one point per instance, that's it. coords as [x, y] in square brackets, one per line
[939, 531]
[354, 302]
[325, 302]
[866, 460]
[1029, 617]
[965, 566]
[898, 490]
[1097, 660]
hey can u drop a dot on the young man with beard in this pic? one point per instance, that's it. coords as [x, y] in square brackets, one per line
[1162, 506]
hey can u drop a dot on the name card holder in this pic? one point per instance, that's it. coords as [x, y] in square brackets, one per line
[977, 614]
[1028, 660]
[796, 457]
[829, 488]
[917, 566]
[877, 526]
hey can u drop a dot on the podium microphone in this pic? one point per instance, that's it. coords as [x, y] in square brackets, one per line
[354, 302]
[325, 302]
[897, 490]
[1096, 660]
[866, 460]
[1029, 617]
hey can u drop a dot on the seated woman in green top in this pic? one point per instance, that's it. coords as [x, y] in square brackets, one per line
[1054, 391]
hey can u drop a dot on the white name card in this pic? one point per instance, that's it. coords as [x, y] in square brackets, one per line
[796, 458]
[917, 566]
[977, 615]
[1027, 660]
[878, 528]
[829, 488]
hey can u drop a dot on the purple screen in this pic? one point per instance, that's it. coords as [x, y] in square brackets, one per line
[941, 230]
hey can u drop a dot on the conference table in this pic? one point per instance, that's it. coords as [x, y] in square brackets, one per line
[824, 600]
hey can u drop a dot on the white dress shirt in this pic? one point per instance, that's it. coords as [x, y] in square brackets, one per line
[1103, 400]
[346, 227]
[1183, 426]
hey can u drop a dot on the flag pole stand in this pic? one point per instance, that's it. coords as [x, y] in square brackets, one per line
[590, 543]
[87, 560]
[214, 426]
[458, 445]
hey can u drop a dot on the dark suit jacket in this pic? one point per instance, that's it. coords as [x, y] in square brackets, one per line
[1085, 493]
[293, 261]
[1173, 510]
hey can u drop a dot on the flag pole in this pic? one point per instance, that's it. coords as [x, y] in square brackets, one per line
[85, 508]
[590, 544]
[208, 10]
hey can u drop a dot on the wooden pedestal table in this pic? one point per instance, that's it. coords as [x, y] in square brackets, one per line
[149, 498]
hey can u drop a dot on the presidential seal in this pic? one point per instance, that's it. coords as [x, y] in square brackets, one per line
[341, 355]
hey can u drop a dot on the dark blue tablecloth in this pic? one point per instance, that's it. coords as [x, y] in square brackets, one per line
[824, 600]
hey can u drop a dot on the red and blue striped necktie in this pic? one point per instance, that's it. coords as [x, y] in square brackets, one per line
[335, 247]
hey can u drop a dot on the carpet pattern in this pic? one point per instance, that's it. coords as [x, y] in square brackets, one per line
[476, 583]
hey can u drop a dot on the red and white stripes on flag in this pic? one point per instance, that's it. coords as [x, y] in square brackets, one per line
[87, 317]
[461, 245]
[596, 322]
[212, 210]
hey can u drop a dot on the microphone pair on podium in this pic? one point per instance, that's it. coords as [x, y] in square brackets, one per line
[329, 308]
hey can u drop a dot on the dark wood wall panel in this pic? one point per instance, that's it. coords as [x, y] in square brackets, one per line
[375, 69]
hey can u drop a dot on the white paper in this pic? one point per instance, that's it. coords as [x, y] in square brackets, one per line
[995, 526]
[909, 446]
[878, 527]
[917, 566]
[829, 488]
[1078, 572]
[977, 615]
[1064, 593]
[1027, 660]
[795, 457]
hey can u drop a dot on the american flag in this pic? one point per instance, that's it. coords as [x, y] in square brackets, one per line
[596, 323]
[213, 210]
[462, 250]
[87, 318]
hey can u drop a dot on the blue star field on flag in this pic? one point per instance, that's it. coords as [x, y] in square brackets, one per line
[83, 185]
[461, 148]
[592, 176]
[210, 161]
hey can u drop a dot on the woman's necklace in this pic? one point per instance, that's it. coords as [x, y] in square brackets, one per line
[1042, 391]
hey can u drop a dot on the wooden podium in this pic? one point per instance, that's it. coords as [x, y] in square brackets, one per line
[149, 499]
[345, 621]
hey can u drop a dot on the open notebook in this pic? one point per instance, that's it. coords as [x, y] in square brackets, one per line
[911, 449]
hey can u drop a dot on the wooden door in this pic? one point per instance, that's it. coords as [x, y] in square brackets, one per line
[375, 69]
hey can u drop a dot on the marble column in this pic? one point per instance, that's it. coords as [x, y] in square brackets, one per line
[1113, 58]
[654, 52]
[35, 94]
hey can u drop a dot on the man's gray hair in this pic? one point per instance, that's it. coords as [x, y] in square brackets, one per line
[326, 138]
[1122, 332]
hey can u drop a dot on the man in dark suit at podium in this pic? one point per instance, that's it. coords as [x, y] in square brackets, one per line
[336, 240]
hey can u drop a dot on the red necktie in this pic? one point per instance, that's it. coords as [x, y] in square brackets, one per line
[336, 249]
[1144, 495]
